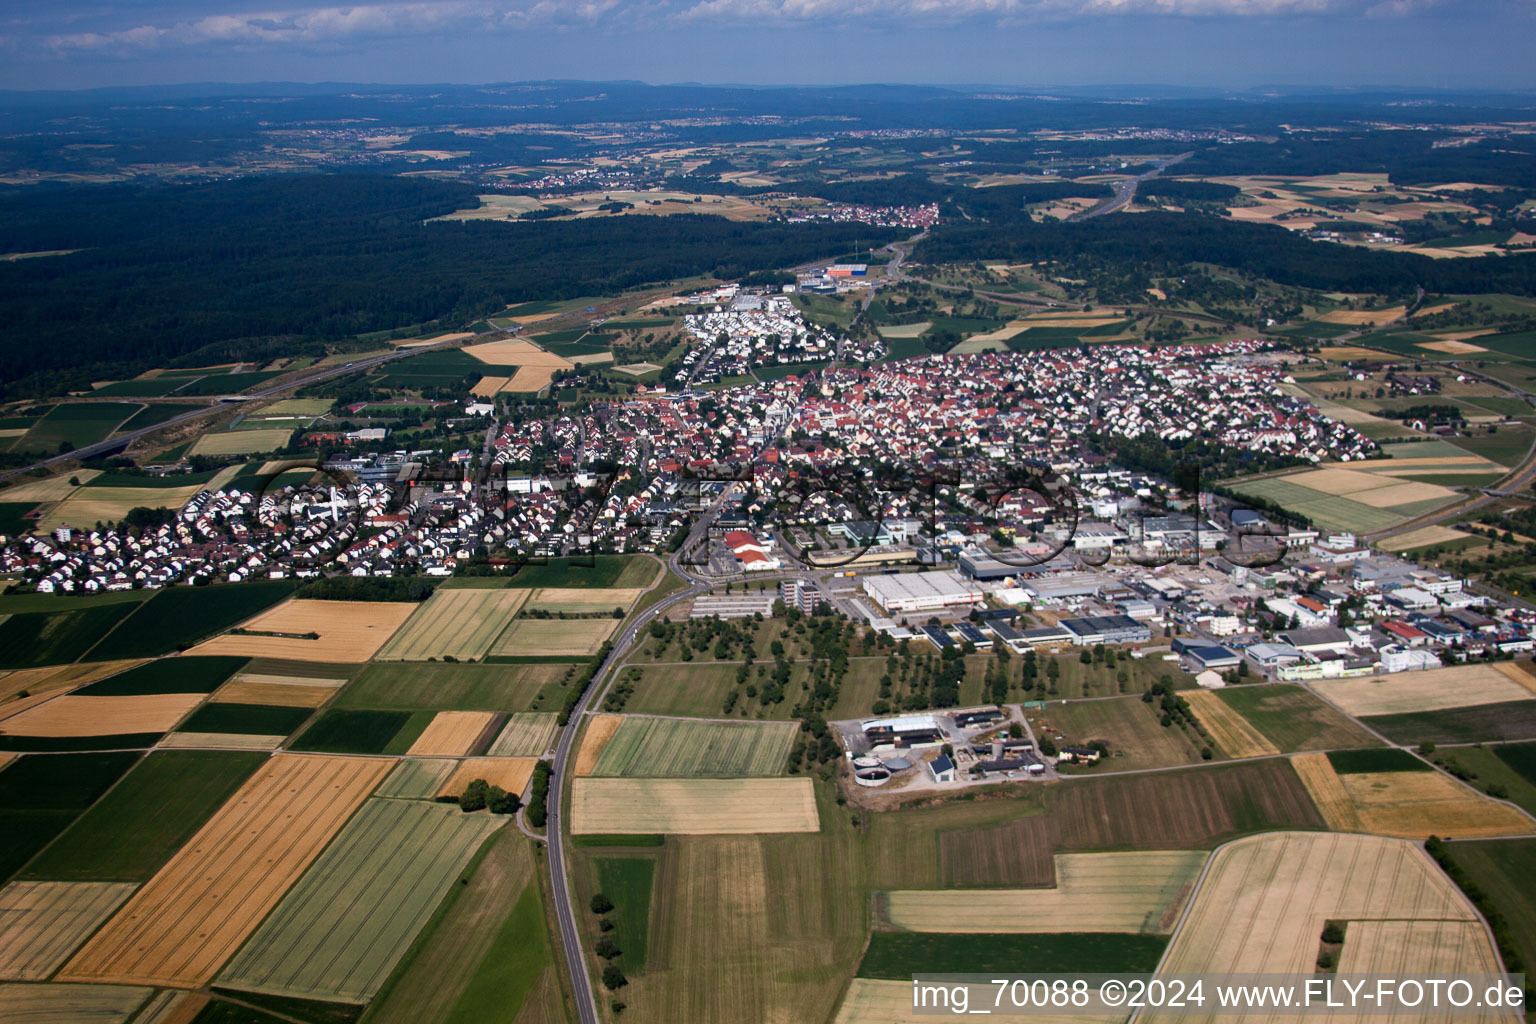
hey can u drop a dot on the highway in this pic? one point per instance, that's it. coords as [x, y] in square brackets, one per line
[1125, 191]
[123, 440]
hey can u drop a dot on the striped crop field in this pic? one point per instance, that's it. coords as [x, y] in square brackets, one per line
[460, 624]
[417, 778]
[181, 927]
[41, 923]
[58, 1004]
[527, 734]
[690, 748]
[337, 935]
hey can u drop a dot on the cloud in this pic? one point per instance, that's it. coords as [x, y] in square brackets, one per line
[326, 27]
[954, 11]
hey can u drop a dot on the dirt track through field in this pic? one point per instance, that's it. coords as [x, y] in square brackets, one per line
[196, 911]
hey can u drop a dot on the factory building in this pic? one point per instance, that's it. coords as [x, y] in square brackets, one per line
[1107, 629]
[921, 591]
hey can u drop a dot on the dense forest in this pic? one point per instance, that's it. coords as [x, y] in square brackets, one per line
[191, 275]
[1163, 242]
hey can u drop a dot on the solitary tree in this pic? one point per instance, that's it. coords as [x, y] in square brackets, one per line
[600, 904]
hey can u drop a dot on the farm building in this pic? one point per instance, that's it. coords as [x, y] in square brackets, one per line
[921, 591]
[942, 769]
[904, 731]
[1079, 755]
[969, 719]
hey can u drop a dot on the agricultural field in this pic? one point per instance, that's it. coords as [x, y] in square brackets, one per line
[461, 624]
[599, 732]
[39, 682]
[574, 638]
[74, 715]
[417, 778]
[894, 956]
[1484, 722]
[1265, 900]
[165, 676]
[440, 687]
[1502, 869]
[696, 691]
[510, 773]
[628, 882]
[1288, 718]
[344, 631]
[31, 639]
[246, 719]
[583, 600]
[77, 424]
[1486, 770]
[284, 691]
[869, 1001]
[146, 817]
[454, 734]
[526, 734]
[41, 796]
[692, 806]
[57, 1004]
[339, 932]
[1359, 510]
[241, 442]
[484, 953]
[358, 731]
[178, 617]
[187, 920]
[1097, 892]
[1432, 690]
[1408, 804]
[42, 923]
[600, 571]
[1235, 736]
[1130, 728]
[685, 748]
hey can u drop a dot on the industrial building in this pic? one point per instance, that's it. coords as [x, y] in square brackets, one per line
[733, 606]
[1107, 629]
[921, 591]
[904, 731]
[979, 565]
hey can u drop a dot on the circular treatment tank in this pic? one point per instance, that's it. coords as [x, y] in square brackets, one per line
[872, 777]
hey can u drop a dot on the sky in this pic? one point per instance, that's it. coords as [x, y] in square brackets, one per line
[1227, 44]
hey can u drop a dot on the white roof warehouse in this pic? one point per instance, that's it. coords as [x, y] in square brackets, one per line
[921, 591]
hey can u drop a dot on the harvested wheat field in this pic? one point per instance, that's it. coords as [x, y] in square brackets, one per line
[1378, 490]
[510, 773]
[1416, 805]
[57, 677]
[890, 1002]
[70, 1004]
[1097, 892]
[1455, 348]
[600, 729]
[41, 923]
[1421, 537]
[490, 387]
[282, 694]
[1357, 317]
[527, 733]
[1326, 787]
[554, 637]
[172, 1007]
[223, 740]
[71, 715]
[583, 600]
[417, 778]
[452, 734]
[1347, 353]
[1234, 734]
[1265, 899]
[1459, 686]
[516, 353]
[693, 806]
[1402, 948]
[348, 631]
[531, 379]
[454, 623]
[187, 920]
[52, 488]
[242, 442]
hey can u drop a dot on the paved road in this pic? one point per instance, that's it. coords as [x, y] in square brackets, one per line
[1125, 191]
[123, 440]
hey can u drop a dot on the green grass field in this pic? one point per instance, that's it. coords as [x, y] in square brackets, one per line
[1380, 759]
[627, 882]
[1503, 869]
[1483, 767]
[247, 719]
[57, 638]
[41, 795]
[596, 571]
[157, 412]
[77, 424]
[146, 817]
[455, 948]
[352, 731]
[339, 932]
[442, 687]
[1515, 720]
[178, 617]
[1130, 728]
[1521, 757]
[511, 970]
[896, 956]
[678, 748]
[1293, 719]
[699, 691]
[1329, 511]
[201, 674]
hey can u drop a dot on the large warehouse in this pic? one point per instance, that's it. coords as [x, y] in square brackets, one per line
[921, 591]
